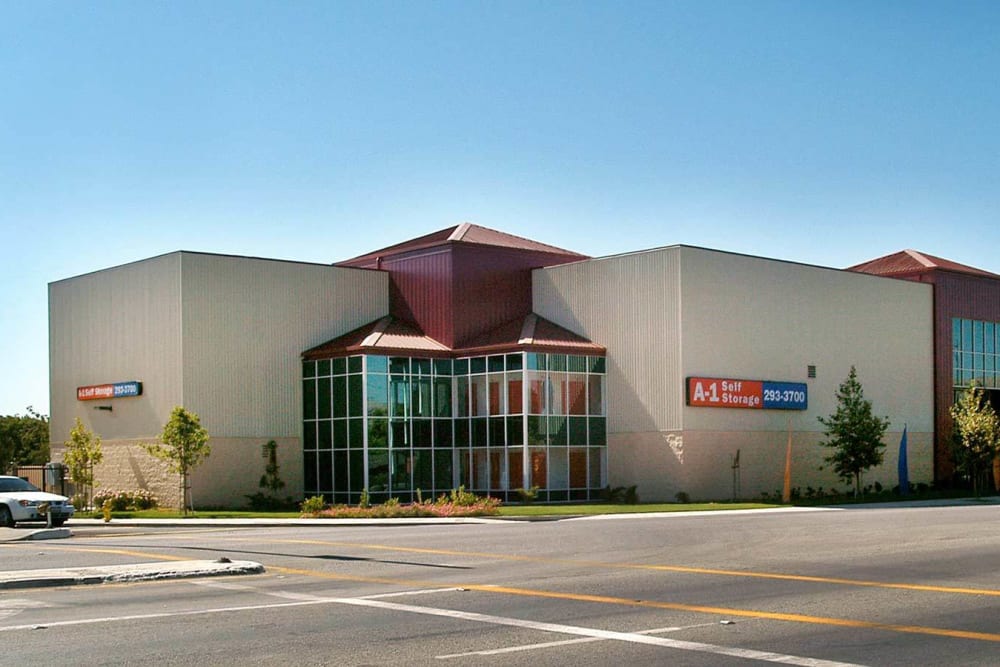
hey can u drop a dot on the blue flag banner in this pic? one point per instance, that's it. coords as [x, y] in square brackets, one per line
[904, 474]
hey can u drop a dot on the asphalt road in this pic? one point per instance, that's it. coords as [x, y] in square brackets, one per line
[873, 586]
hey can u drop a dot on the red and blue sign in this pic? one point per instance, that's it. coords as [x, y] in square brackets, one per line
[751, 394]
[105, 391]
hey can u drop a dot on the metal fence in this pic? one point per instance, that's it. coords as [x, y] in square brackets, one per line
[36, 475]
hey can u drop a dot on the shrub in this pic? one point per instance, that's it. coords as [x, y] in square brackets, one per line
[122, 501]
[313, 505]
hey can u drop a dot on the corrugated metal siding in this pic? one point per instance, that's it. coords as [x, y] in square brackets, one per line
[116, 325]
[631, 305]
[759, 319]
[246, 323]
[492, 287]
[962, 296]
[421, 291]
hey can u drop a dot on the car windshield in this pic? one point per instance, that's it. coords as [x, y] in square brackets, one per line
[8, 484]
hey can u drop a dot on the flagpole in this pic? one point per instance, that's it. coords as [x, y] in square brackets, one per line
[786, 494]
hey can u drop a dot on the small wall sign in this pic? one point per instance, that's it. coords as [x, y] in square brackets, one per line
[105, 391]
[752, 394]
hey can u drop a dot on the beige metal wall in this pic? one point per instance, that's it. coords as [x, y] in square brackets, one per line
[220, 335]
[753, 318]
[116, 325]
[246, 322]
[631, 305]
[675, 312]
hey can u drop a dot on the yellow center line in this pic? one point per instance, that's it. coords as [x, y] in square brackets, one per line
[579, 597]
[664, 568]
[655, 604]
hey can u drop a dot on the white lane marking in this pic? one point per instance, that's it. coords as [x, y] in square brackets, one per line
[565, 642]
[304, 599]
[632, 637]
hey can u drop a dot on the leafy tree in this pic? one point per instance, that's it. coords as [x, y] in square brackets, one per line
[854, 433]
[183, 445]
[83, 452]
[24, 440]
[976, 433]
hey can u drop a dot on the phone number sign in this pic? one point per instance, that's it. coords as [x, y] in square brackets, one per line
[103, 391]
[751, 394]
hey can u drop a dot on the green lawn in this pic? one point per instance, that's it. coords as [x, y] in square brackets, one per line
[607, 508]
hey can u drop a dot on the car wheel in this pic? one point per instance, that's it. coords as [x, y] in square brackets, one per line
[6, 520]
[58, 522]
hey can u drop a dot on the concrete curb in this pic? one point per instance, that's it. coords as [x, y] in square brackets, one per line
[14, 535]
[75, 576]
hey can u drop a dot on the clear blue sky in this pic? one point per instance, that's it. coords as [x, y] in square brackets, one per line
[821, 132]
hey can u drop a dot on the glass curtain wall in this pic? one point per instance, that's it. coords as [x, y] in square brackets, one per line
[975, 353]
[405, 427]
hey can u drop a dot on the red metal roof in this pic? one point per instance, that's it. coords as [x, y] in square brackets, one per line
[390, 336]
[463, 233]
[910, 262]
[385, 336]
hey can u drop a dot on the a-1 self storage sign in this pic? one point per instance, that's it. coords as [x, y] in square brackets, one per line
[753, 394]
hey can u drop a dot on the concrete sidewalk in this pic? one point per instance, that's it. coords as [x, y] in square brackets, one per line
[75, 576]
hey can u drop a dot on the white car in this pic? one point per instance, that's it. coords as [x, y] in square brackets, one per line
[21, 501]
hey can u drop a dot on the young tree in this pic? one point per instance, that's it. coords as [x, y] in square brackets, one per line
[854, 432]
[83, 452]
[976, 434]
[183, 445]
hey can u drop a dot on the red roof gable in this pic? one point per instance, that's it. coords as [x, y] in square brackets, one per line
[389, 336]
[910, 262]
[463, 233]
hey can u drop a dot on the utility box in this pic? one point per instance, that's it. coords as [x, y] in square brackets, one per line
[54, 476]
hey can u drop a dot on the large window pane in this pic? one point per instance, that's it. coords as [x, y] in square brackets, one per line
[309, 435]
[577, 430]
[442, 397]
[557, 393]
[598, 431]
[323, 398]
[421, 396]
[324, 429]
[479, 429]
[536, 393]
[595, 395]
[340, 434]
[537, 431]
[378, 433]
[422, 433]
[339, 393]
[378, 471]
[539, 467]
[515, 389]
[497, 392]
[576, 390]
[355, 396]
[443, 470]
[378, 395]
[462, 406]
[442, 433]
[596, 480]
[479, 401]
[310, 474]
[309, 399]
[377, 364]
[325, 472]
[577, 468]
[423, 471]
[399, 388]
